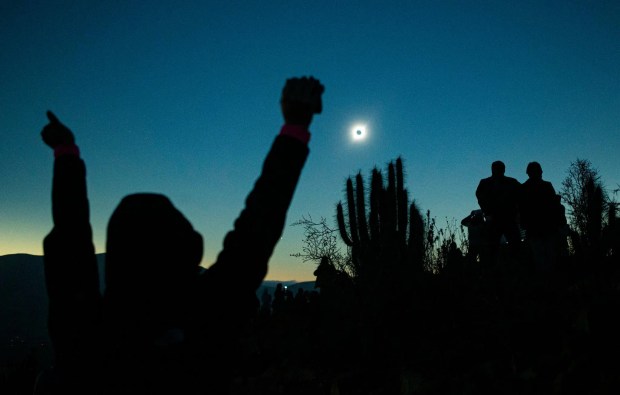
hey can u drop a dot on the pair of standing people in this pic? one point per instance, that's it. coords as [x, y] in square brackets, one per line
[510, 207]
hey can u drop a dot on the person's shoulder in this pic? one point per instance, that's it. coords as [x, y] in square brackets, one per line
[508, 182]
[483, 186]
[549, 187]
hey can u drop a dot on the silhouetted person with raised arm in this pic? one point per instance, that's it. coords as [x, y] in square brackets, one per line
[539, 217]
[498, 198]
[161, 326]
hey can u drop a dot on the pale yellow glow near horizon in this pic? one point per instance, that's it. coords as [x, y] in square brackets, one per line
[282, 267]
[12, 246]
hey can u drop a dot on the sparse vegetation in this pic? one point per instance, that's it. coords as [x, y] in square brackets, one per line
[449, 325]
[321, 241]
[501, 329]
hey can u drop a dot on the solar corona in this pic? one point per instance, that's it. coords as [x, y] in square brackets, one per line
[359, 132]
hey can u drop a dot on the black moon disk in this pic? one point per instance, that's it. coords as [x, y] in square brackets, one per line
[358, 132]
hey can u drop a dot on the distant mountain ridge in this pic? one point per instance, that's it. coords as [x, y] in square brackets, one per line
[23, 298]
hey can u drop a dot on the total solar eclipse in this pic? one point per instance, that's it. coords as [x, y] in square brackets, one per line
[358, 132]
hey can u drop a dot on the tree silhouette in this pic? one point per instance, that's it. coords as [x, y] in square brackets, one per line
[321, 241]
[587, 199]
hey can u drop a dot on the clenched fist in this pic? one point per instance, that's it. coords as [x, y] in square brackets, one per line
[301, 99]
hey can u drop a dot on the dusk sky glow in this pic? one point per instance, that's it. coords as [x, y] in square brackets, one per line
[181, 98]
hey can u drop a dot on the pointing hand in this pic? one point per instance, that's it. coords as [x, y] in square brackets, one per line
[55, 133]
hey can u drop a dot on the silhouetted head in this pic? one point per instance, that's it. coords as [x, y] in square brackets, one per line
[534, 170]
[325, 273]
[498, 168]
[152, 253]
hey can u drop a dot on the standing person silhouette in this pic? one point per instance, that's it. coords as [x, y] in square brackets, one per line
[539, 217]
[161, 326]
[498, 198]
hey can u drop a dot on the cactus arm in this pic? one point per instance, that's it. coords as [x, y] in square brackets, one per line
[376, 186]
[342, 227]
[353, 227]
[361, 209]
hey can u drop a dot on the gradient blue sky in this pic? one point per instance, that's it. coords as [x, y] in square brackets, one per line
[182, 98]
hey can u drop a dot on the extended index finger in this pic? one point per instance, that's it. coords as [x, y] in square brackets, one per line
[52, 118]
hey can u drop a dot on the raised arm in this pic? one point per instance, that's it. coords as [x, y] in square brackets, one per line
[248, 247]
[71, 273]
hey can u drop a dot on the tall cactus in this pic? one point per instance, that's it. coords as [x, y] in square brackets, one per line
[388, 235]
[385, 233]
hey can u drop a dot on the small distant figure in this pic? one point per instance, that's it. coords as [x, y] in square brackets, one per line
[279, 300]
[289, 299]
[498, 198]
[265, 306]
[325, 274]
[477, 236]
[540, 217]
[564, 229]
[301, 300]
[336, 286]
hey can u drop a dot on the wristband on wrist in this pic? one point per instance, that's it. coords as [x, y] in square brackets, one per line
[296, 131]
[66, 149]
